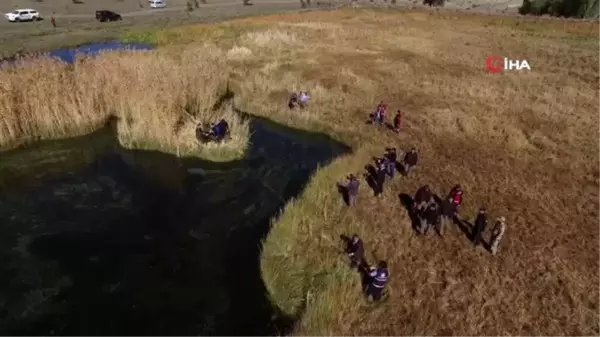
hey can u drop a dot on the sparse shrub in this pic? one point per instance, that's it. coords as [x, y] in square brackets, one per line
[434, 3]
[78, 2]
[525, 7]
[565, 8]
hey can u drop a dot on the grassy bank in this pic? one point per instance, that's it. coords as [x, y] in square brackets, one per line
[159, 97]
[524, 144]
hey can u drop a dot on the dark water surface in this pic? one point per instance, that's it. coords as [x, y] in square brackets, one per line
[130, 242]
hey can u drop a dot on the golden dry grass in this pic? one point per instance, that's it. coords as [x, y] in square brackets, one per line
[159, 96]
[524, 144]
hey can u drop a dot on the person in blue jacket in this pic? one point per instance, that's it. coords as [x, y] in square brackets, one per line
[379, 278]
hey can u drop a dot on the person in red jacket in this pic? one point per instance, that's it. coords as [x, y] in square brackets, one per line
[398, 121]
[456, 194]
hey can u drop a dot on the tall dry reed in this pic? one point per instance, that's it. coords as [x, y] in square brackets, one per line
[159, 96]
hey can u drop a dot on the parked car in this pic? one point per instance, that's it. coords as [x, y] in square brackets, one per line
[105, 15]
[23, 15]
[157, 4]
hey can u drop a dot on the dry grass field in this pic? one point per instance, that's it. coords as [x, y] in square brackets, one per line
[525, 144]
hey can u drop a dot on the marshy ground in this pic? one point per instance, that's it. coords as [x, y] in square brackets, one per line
[525, 144]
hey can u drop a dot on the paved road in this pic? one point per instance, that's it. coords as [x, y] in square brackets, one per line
[182, 8]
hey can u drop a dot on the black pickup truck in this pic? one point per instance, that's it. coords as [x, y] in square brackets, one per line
[105, 15]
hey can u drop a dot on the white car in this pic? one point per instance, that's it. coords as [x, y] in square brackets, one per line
[157, 4]
[22, 15]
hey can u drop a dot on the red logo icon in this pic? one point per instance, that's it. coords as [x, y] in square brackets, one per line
[494, 64]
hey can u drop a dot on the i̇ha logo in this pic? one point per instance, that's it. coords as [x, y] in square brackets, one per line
[496, 64]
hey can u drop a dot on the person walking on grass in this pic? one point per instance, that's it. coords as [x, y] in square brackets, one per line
[391, 162]
[380, 178]
[392, 155]
[430, 218]
[448, 213]
[456, 194]
[356, 252]
[352, 190]
[423, 197]
[479, 226]
[410, 161]
[303, 100]
[380, 113]
[398, 121]
[293, 101]
[497, 234]
[379, 278]
[384, 164]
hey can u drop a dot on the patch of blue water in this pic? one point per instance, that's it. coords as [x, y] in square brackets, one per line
[68, 55]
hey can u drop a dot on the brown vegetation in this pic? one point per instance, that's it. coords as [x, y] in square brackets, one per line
[159, 96]
[523, 144]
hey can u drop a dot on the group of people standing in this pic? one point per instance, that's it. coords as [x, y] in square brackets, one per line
[431, 213]
[379, 117]
[298, 99]
[425, 209]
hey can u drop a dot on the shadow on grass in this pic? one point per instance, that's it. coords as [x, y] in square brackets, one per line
[371, 179]
[465, 227]
[469, 230]
[407, 201]
[343, 191]
[145, 243]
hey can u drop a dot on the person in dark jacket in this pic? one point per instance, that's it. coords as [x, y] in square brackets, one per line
[384, 164]
[293, 101]
[398, 121]
[430, 218]
[356, 252]
[410, 160]
[352, 190]
[380, 178]
[392, 154]
[423, 197]
[220, 130]
[479, 227]
[379, 278]
[391, 163]
[448, 213]
[224, 128]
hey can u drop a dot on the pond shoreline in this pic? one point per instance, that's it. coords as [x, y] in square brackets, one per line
[135, 211]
